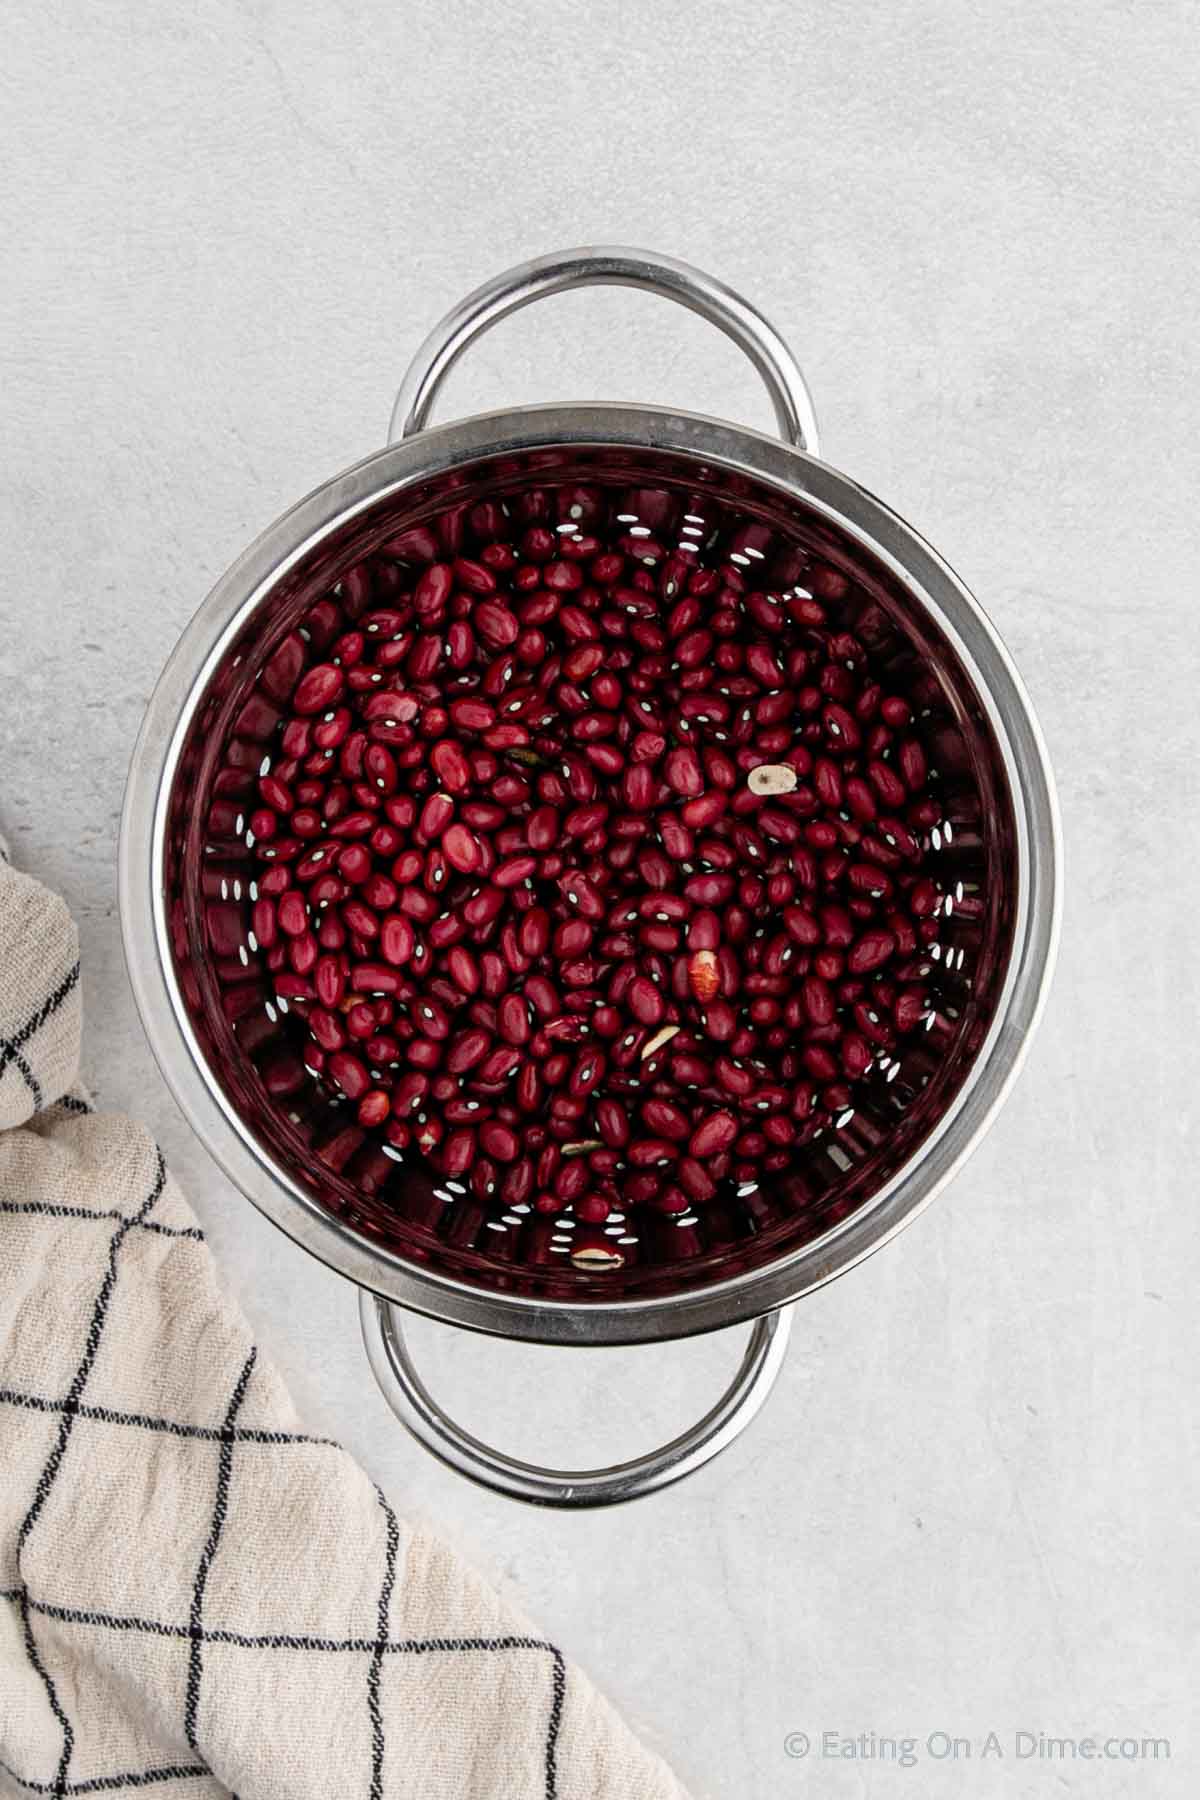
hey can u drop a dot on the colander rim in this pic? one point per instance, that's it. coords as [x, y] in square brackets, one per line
[836, 499]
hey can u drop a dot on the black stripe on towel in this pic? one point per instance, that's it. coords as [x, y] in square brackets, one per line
[11, 1047]
[195, 1627]
[108, 1784]
[108, 1415]
[378, 1739]
[54, 1463]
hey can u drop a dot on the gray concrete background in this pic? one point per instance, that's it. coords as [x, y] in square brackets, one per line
[972, 1502]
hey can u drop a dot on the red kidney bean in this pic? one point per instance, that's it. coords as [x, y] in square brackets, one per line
[572, 939]
[326, 1028]
[652, 1153]
[837, 927]
[683, 772]
[581, 894]
[350, 825]
[409, 1092]
[715, 1133]
[542, 828]
[433, 1019]
[354, 862]
[317, 689]
[869, 878]
[264, 919]
[647, 747]
[542, 995]
[499, 1141]
[302, 952]
[704, 811]
[870, 952]
[612, 1123]
[291, 913]
[802, 926]
[571, 1181]
[462, 968]
[397, 939]
[819, 1063]
[350, 1074]
[482, 908]
[514, 870]
[644, 1001]
[763, 664]
[276, 793]
[909, 1009]
[818, 1000]
[913, 766]
[827, 780]
[534, 934]
[665, 1120]
[461, 849]
[374, 978]
[720, 1021]
[513, 1019]
[436, 814]
[710, 890]
[496, 624]
[374, 1108]
[407, 868]
[841, 727]
[471, 714]
[734, 1077]
[923, 899]
[586, 1074]
[475, 577]
[704, 931]
[690, 1071]
[378, 892]
[467, 1050]
[360, 1021]
[390, 707]
[450, 765]
[499, 1063]
[459, 1150]
[433, 590]
[695, 1179]
[887, 783]
[528, 1093]
[360, 919]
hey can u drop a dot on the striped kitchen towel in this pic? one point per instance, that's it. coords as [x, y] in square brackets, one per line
[197, 1596]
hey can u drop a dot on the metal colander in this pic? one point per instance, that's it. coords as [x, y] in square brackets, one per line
[387, 1224]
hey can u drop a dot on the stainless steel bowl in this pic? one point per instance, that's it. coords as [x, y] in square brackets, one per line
[326, 526]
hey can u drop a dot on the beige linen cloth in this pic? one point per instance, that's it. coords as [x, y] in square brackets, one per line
[197, 1597]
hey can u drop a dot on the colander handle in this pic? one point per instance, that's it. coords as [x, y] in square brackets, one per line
[383, 1331]
[453, 1445]
[608, 265]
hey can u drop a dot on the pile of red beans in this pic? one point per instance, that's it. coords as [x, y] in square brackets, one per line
[592, 851]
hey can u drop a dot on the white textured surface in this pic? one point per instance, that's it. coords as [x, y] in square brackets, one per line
[972, 1502]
